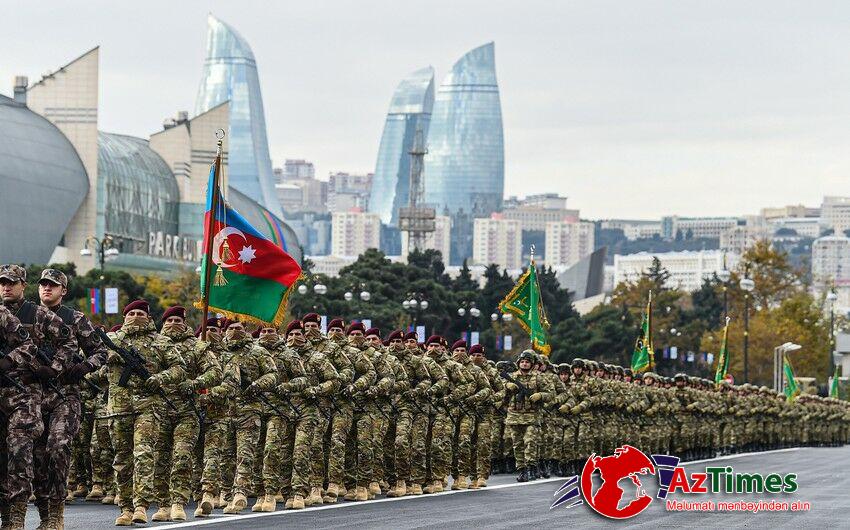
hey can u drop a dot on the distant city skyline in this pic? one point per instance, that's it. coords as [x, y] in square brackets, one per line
[630, 110]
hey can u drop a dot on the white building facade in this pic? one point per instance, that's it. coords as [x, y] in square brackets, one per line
[353, 232]
[497, 240]
[687, 269]
[567, 242]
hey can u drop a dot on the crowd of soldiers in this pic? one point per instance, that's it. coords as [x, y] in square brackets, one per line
[142, 417]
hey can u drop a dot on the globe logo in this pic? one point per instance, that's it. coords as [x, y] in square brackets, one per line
[626, 462]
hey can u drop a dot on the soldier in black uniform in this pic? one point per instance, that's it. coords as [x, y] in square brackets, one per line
[61, 413]
[55, 349]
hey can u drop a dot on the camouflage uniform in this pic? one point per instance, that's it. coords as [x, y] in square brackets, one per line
[482, 433]
[370, 424]
[479, 393]
[421, 433]
[179, 430]
[215, 405]
[445, 418]
[22, 411]
[136, 412]
[523, 415]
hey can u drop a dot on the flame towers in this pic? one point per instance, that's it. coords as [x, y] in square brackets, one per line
[230, 74]
[410, 111]
[465, 165]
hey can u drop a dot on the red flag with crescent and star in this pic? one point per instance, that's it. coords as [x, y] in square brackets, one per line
[253, 275]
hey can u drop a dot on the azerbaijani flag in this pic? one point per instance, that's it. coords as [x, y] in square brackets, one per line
[253, 275]
[525, 303]
[723, 358]
[643, 356]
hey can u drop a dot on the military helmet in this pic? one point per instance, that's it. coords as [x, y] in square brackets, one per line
[527, 355]
[504, 365]
[620, 370]
[564, 367]
[648, 375]
[579, 363]
[680, 377]
[592, 365]
[627, 372]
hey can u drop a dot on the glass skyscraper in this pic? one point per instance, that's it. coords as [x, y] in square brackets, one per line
[230, 74]
[465, 164]
[410, 110]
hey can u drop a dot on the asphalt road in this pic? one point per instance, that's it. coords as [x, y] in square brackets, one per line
[823, 479]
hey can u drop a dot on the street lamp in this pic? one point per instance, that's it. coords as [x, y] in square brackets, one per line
[498, 319]
[103, 247]
[747, 285]
[468, 309]
[831, 297]
[415, 304]
[778, 355]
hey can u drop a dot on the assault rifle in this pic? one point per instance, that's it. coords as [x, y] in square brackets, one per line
[522, 393]
[134, 364]
[245, 382]
[45, 355]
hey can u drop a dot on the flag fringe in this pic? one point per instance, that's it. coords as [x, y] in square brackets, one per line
[278, 318]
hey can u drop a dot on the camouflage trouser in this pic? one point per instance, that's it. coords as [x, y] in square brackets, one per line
[389, 471]
[441, 446]
[552, 433]
[481, 440]
[215, 438]
[256, 485]
[228, 457]
[320, 448]
[380, 424]
[584, 437]
[52, 450]
[402, 443]
[247, 427]
[497, 449]
[134, 439]
[358, 450]
[417, 450]
[462, 445]
[22, 427]
[340, 427]
[568, 440]
[525, 444]
[175, 445]
[81, 470]
[102, 455]
[286, 458]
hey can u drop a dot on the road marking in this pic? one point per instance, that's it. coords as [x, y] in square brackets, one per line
[221, 518]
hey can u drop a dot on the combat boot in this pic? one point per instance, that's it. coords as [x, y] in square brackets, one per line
[239, 503]
[108, 499]
[162, 514]
[288, 504]
[141, 514]
[428, 489]
[482, 482]
[438, 486]
[125, 519]
[43, 514]
[206, 505]
[258, 506]
[70, 496]
[331, 495]
[533, 473]
[415, 489]
[298, 502]
[342, 490]
[473, 483]
[199, 512]
[81, 490]
[177, 512]
[523, 475]
[374, 488]
[96, 493]
[270, 505]
[462, 483]
[221, 502]
[351, 494]
[361, 493]
[315, 497]
[400, 489]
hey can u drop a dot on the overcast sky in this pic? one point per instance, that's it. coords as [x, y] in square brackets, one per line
[632, 109]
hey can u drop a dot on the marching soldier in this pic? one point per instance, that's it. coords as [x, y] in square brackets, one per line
[528, 392]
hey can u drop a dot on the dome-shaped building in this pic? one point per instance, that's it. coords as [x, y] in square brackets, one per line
[43, 181]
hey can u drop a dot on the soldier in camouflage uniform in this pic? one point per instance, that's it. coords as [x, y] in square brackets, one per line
[385, 395]
[62, 413]
[56, 347]
[546, 438]
[22, 411]
[249, 371]
[421, 435]
[580, 404]
[333, 425]
[528, 393]
[565, 425]
[137, 410]
[179, 431]
[467, 413]
[444, 423]
[411, 415]
[482, 432]
[501, 449]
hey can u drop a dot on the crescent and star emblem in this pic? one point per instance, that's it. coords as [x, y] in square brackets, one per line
[246, 254]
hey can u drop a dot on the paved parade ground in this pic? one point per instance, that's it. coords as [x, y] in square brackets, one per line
[823, 479]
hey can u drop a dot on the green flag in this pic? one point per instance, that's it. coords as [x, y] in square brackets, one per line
[525, 304]
[643, 357]
[791, 388]
[833, 388]
[722, 357]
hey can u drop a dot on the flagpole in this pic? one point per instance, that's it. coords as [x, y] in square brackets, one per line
[205, 292]
[649, 334]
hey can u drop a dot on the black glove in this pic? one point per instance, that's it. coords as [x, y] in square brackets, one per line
[76, 373]
[45, 374]
[6, 365]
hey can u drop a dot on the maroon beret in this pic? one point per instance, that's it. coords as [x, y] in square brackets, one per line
[476, 348]
[311, 317]
[226, 323]
[397, 334]
[174, 311]
[434, 339]
[215, 322]
[373, 331]
[459, 344]
[295, 324]
[355, 326]
[336, 323]
[411, 335]
[256, 333]
[115, 328]
[138, 304]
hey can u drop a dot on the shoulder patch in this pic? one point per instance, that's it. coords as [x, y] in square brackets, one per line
[23, 334]
[64, 332]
